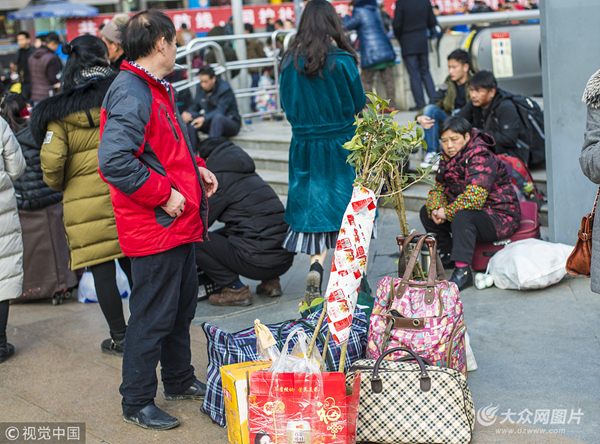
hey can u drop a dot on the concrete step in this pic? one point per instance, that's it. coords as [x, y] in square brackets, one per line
[265, 135]
[271, 160]
[277, 179]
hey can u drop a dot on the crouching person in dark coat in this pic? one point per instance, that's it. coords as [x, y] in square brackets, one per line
[250, 243]
[159, 193]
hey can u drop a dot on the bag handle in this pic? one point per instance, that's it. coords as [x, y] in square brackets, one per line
[595, 205]
[432, 276]
[377, 384]
[431, 243]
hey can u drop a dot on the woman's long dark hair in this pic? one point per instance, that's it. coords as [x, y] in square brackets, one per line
[86, 51]
[12, 106]
[319, 27]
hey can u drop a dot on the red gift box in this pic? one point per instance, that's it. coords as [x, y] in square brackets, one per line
[302, 408]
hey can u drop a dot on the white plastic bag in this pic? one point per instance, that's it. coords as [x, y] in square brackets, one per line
[297, 361]
[86, 291]
[529, 264]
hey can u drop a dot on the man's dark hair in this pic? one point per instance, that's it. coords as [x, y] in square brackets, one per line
[140, 34]
[206, 71]
[183, 26]
[483, 79]
[457, 124]
[101, 27]
[248, 27]
[51, 37]
[461, 56]
[24, 33]
[279, 22]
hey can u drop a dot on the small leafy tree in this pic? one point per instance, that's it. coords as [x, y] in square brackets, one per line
[380, 150]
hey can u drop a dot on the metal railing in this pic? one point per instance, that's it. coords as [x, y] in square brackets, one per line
[223, 67]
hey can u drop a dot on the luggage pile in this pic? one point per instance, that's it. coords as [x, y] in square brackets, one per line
[403, 377]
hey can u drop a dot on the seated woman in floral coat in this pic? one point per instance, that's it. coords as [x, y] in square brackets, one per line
[472, 199]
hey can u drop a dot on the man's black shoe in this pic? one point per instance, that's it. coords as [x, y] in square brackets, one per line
[447, 263]
[462, 277]
[6, 352]
[153, 418]
[197, 391]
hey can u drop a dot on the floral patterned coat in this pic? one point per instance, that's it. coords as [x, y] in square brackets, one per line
[476, 179]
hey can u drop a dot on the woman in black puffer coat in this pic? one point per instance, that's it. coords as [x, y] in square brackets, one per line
[31, 190]
[40, 213]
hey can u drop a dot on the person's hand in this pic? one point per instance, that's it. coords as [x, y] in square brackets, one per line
[175, 205]
[210, 181]
[187, 117]
[198, 122]
[425, 122]
[439, 216]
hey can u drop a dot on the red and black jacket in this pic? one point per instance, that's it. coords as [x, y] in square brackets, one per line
[144, 152]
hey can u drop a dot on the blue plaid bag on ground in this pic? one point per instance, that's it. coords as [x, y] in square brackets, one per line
[233, 348]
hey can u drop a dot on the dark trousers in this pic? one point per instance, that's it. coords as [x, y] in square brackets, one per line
[219, 125]
[417, 66]
[460, 235]
[223, 264]
[3, 322]
[109, 296]
[162, 304]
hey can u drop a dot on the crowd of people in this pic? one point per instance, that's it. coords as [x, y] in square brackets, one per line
[134, 184]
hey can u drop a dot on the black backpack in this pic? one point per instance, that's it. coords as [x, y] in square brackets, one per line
[532, 117]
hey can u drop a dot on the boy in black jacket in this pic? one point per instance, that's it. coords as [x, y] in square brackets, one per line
[214, 110]
[492, 111]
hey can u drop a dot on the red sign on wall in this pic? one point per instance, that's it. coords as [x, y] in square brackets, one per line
[203, 20]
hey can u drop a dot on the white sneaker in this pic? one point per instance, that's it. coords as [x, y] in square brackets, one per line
[430, 160]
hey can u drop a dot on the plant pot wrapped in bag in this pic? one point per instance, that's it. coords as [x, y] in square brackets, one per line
[304, 407]
[426, 317]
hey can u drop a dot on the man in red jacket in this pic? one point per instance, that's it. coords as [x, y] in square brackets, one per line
[159, 193]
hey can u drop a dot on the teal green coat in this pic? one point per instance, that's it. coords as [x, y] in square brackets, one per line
[322, 113]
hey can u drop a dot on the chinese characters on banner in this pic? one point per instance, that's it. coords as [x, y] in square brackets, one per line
[349, 262]
[203, 20]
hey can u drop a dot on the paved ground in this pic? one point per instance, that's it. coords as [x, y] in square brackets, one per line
[537, 351]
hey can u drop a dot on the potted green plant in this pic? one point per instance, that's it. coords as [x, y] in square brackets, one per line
[378, 152]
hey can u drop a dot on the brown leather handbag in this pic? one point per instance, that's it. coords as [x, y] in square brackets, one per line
[580, 260]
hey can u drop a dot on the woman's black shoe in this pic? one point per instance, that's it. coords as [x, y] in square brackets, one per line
[153, 418]
[462, 277]
[6, 352]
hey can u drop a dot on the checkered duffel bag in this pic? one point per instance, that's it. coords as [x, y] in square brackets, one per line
[408, 402]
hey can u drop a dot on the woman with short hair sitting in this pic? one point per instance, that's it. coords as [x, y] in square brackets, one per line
[472, 200]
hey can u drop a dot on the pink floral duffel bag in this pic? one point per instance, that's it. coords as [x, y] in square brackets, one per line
[426, 317]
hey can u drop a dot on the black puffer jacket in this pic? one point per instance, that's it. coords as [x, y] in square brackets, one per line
[31, 190]
[246, 204]
[374, 46]
[501, 121]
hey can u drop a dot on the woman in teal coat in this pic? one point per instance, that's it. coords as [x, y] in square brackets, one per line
[321, 93]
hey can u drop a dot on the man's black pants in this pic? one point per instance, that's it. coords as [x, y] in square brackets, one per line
[460, 235]
[417, 66]
[219, 125]
[222, 262]
[162, 304]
